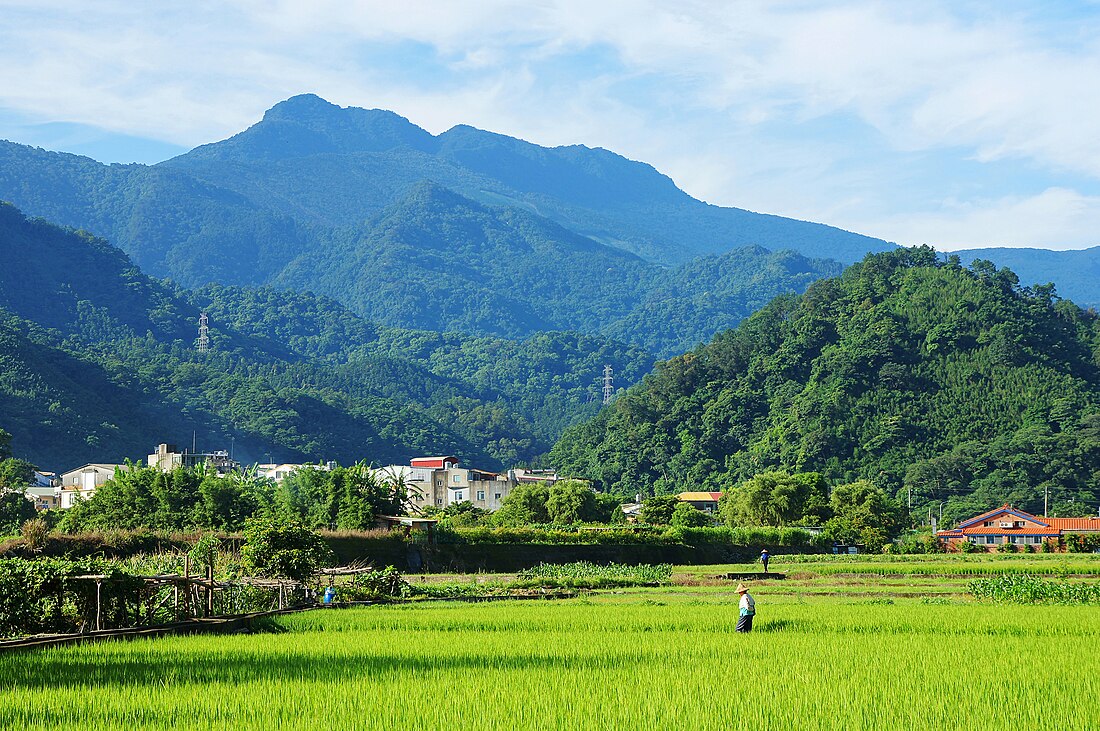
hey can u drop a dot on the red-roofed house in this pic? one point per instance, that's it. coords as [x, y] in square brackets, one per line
[1006, 524]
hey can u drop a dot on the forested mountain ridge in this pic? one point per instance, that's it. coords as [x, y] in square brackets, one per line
[1076, 272]
[99, 364]
[915, 373]
[351, 158]
[463, 231]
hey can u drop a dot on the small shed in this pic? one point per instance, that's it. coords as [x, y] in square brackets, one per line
[409, 523]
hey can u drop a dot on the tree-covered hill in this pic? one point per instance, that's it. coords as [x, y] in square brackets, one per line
[99, 364]
[911, 372]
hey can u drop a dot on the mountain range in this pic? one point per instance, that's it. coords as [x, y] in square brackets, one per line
[98, 363]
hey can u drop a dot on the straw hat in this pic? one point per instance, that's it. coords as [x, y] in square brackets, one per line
[741, 589]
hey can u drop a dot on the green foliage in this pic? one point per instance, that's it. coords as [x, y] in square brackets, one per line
[374, 585]
[914, 374]
[572, 501]
[204, 552]
[688, 516]
[281, 547]
[42, 595]
[15, 474]
[1025, 589]
[1082, 542]
[658, 510]
[777, 498]
[526, 504]
[865, 514]
[5, 445]
[15, 509]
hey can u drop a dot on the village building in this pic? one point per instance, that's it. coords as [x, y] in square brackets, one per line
[704, 501]
[81, 483]
[168, 457]
[442, 481]
[1008, 525]
[44, 498]
[279, 472]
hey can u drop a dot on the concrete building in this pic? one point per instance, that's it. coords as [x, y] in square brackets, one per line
[168, 457]
[81, 483]
[442, 481]
[44, 498]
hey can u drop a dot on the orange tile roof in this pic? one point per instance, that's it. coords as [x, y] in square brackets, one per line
[1075, 524]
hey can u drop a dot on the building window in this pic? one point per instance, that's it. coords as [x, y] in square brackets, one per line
[988, 524]
[480, 494]
[456, 479]
[439, 501]
[458, 497]
[497, 496]
[991, 539]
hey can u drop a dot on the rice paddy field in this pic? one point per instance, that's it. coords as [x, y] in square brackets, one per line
[852, 650]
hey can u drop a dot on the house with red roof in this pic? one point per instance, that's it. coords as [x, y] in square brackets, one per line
[1007, 524]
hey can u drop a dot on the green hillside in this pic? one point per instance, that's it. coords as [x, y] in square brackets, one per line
[465, 231]
[99, 364]
[914, 373]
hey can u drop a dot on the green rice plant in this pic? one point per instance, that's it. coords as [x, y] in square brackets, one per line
[1026, 589]
[602, 664]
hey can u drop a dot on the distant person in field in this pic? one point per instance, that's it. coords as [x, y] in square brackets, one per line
[764, 559]
[748, 610]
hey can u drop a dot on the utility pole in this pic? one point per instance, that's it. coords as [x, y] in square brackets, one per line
[608, 385]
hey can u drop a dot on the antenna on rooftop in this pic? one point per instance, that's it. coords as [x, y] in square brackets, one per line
[204, 333]
[608, 385]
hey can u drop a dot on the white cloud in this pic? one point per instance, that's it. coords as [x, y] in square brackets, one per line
[696, 88]
[1057, 218]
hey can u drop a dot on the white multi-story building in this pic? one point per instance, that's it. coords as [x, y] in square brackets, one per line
[442, 481]
[81, 483]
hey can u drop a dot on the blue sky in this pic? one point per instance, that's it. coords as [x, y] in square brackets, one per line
[958, 124]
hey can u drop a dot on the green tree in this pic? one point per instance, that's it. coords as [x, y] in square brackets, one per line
[524, 505]
[14, 510]
[15, 473]
[864, 512]
[278, 547]
[571, 501]
[658, 510]
[777, 499]
[5, 445]
[688, 516]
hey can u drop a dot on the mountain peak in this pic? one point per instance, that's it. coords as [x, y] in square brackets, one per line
[302, 106]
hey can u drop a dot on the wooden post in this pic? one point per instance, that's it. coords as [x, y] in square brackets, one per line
[210, 591]
[176, 599]
[98, 584]
[187, 585]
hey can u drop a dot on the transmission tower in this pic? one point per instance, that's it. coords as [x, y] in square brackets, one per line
[204, 333]
[608, 385]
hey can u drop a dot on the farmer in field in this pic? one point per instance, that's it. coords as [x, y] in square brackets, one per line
[748, 610]
[764, 556]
